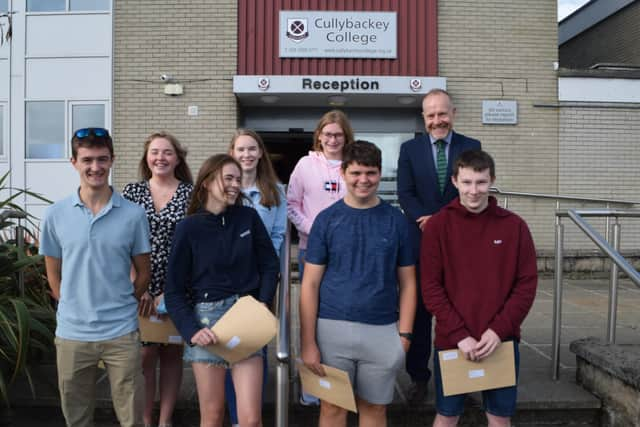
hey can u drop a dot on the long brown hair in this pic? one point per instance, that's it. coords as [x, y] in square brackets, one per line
[182, 171]
[209, 171]
[337, 117]
[266, 178]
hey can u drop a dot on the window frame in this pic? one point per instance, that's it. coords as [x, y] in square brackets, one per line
[68, 125]
[67, 9]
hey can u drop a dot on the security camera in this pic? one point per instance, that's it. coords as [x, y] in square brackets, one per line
[166, 78]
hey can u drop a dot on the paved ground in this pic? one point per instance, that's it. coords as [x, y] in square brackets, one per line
[584, 314]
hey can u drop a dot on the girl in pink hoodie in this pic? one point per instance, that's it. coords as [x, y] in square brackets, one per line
[315, 184]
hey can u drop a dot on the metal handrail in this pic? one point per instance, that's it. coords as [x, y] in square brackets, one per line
[558, 197]
[282, 341]
[613, 252]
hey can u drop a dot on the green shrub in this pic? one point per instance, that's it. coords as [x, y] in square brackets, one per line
[27, 315]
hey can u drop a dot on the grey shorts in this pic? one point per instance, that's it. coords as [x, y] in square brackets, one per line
[208, 313]
[371, 354]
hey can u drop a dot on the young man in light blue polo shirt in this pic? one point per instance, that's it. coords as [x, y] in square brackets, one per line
[358, 295]
[90, 240]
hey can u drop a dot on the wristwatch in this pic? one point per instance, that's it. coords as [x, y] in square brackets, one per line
[407, 335]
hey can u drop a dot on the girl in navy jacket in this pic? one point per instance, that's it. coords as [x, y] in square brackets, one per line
[221, 251]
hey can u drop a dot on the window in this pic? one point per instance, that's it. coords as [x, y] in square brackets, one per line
[46, 5]
[62, 6]
[4, 6]
[86, 116]
[89, 5]
[45, 130]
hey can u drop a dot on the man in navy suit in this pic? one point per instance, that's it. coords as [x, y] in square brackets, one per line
[423, 191]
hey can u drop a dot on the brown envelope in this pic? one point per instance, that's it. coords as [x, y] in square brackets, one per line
[159, 330]
[460, 375]
[245, 328]
[335, 387]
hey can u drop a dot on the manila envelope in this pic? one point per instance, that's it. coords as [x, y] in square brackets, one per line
[159, 330]
[335, 387]
[460, 375]
[243, 329]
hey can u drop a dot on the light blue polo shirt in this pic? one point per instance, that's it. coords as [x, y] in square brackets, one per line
[97, 302]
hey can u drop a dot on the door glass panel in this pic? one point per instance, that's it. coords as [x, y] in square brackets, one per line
[389, 144]
[87, 116]
[46, 5]
[45, 130]
[89, 5]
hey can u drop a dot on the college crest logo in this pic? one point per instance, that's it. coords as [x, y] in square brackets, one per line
[297, 29]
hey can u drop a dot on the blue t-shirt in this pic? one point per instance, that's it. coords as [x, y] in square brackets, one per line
[97, 299]
[362, 250]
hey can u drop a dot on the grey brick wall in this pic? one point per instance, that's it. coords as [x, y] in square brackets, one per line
[193, 41]
[600, 157]
[614, 40]
[506, 50]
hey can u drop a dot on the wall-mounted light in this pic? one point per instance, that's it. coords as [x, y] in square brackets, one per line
[269, 99]
[173, 89]
[406, 100]
[337, 100]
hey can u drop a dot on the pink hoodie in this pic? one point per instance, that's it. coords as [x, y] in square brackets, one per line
[314, 185]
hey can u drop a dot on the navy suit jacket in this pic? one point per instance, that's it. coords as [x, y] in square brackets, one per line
[418, 190]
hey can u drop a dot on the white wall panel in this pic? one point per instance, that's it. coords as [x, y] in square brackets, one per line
[68, 78]
[583, 89]
[68, 35]
[4, 50]
[55, 180]
[4, 79]
[36, 210]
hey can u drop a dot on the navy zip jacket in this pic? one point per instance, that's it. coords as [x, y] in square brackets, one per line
[214, 257]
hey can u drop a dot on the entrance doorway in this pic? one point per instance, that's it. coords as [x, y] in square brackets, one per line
[285, 149]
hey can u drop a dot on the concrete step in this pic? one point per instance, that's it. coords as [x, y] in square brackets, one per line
[398, 416]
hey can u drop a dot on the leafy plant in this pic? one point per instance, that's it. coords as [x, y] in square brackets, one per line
[27, 316]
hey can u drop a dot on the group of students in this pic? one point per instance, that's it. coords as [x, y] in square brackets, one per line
[195, 248]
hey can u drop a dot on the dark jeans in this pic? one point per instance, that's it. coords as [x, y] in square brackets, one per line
[417, 362]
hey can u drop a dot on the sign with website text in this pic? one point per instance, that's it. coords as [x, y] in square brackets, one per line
[323, 34]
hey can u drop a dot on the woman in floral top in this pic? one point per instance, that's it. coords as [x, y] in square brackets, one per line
[164, 193]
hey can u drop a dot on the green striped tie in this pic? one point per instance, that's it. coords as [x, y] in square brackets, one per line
[441, 160]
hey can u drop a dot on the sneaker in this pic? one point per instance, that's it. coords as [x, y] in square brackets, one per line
[309, 400]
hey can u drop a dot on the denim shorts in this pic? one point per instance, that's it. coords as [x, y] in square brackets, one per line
[208, 313]
[500, 402]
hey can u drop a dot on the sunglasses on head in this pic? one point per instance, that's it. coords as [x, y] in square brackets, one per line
[85, 132]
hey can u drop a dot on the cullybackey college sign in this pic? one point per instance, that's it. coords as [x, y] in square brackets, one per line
[323, 34]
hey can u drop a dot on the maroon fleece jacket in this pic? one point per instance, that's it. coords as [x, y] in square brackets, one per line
[478, 271]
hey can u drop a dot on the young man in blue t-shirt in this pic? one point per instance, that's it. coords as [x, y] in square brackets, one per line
[358, 295]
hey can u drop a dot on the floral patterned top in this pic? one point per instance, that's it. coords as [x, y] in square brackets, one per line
[162, 225]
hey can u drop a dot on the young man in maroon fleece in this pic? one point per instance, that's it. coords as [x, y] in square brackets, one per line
[479, 280]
